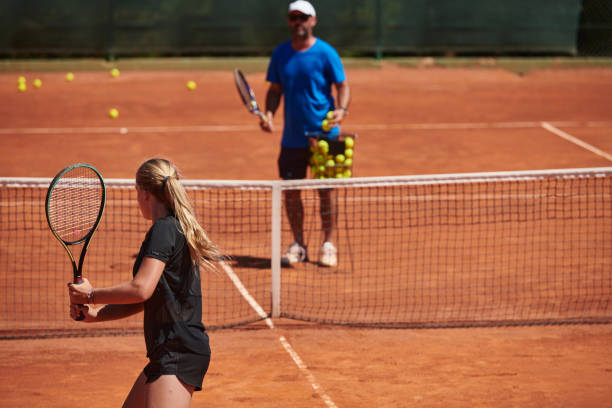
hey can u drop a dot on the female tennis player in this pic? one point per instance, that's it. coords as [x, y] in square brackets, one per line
[166, 285]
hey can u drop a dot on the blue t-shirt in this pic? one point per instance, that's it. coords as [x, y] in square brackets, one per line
[306, 78]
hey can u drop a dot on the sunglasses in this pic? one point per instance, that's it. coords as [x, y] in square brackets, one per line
[299, 17]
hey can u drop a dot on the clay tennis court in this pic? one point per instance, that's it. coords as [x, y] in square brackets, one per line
[409, 121]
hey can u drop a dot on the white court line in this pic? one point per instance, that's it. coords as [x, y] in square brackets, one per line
[575, 140]
[248, 128]
[294, 355]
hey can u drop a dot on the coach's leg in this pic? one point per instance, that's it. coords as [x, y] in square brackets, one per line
[295, 213]
[329, 214]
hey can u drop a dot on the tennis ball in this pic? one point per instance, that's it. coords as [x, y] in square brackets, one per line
[69, 77]
[22, 86]
[318, 158]
[114, 72]
[323, 146]
[348, 173]
[325, 125]
[113, 113]
[340, 158]
[21, 79]
[348, 162]
[348, 153]
[349, 142]
[330, 115]
[330, 163]
[191, 85]
[37, 83]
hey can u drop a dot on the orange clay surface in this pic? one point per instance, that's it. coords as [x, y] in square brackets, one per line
[408, 121]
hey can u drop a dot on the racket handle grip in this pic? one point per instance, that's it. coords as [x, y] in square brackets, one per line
[77, 281]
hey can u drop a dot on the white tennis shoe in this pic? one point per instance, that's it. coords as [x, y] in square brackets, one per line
[329, 255]
[295, 253]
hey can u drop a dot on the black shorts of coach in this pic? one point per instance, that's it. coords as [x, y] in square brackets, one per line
[293, 162]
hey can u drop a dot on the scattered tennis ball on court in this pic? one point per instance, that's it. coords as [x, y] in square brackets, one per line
[349, 142]
[22, 86]
[113, 113]
[37, 83]
[348, 153]
[21, 79]
[114, 72]
[330, 115]
[325, 125]
[69, 76]
[191, 85]
[323, 146]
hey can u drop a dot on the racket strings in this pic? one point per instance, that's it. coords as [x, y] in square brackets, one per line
[75, 204]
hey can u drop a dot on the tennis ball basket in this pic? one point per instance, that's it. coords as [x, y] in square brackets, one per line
[331, 158]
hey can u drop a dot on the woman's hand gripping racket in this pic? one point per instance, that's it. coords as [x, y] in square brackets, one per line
[247, 95]
[74, 206]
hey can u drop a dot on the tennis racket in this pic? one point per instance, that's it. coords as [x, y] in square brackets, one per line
[247, 95]
[74, 206]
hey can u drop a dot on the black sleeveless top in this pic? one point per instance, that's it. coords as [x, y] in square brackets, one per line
[173, 314]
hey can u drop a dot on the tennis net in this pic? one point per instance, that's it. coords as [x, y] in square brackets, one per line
[476, 249]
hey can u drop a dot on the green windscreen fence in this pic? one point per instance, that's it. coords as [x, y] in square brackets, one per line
[112, 28]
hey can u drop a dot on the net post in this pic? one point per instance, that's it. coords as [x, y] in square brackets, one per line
[276, 248]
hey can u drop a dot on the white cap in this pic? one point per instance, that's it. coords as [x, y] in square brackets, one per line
[303, 7]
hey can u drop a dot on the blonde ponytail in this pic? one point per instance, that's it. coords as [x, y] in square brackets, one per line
[161, 178]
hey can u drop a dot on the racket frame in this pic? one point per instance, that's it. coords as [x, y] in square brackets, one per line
[250, 102]
[77, 269]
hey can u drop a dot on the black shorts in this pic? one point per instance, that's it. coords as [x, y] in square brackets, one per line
[293, 162]
[188, 367]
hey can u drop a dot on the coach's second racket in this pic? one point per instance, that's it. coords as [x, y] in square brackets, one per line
[247, 95]
[74, 206]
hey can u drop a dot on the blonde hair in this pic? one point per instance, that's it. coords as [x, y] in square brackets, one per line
[161, 178]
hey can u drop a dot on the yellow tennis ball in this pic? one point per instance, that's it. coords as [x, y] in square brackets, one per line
[191, 85]
[325, 125]
[113, 113]
[330, 115]
[339, 158]
[348, 153]
[330, 163]
[348, 162]
[323, 146]
[21, 79]
[348, 173]
[22, 87]
[349, 142]
[69, 76]
[37, 83]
